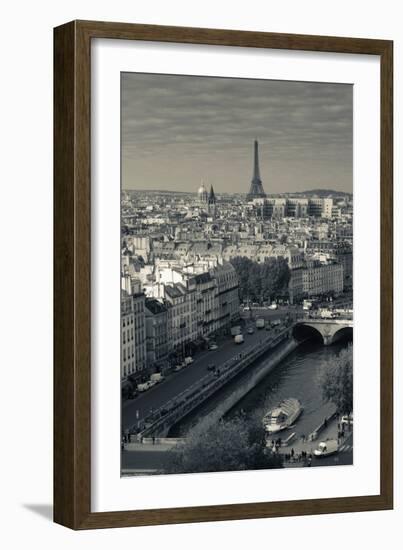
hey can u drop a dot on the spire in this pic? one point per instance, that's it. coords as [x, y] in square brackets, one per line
[256, 188]
[211, 198]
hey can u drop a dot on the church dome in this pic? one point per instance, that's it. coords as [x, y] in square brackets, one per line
[202, 193]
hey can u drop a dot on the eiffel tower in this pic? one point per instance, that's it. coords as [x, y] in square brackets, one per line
[256, 188]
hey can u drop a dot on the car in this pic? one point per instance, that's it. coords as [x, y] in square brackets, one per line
[212, 346]
[326, 448]
[211, 367]
[347, 419]
[179, 366]
[156, 378]
[246, 308]
[250, 330]
[273, 306]
[143, 387]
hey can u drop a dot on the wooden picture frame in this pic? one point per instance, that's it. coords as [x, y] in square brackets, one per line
[72, 271]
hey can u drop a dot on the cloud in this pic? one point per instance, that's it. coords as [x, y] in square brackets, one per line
[168, 120]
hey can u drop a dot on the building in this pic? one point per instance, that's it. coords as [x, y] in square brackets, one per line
[127, 362]
[322, 278]
[256, 187]
[296, 285]
[179, 318]
[203, 299]
[227, 294]
[344, 256]
[292, 207]
[157, 333]
[261, 252]
[202, 195]
[206, 303]
[133, 333]
[297, 207]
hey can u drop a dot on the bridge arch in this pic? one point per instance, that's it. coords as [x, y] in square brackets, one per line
[328, 331]
[344, 333]
[303, 332]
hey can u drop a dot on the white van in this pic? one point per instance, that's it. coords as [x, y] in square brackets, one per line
[326, 448]
[156, 377]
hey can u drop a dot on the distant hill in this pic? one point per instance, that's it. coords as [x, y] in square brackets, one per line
[158, 191]
[322, 193]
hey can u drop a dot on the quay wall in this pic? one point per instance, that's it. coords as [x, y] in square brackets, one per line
[161, 421]
[276, 356]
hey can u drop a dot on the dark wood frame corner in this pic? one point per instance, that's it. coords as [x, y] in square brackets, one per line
[72, 269]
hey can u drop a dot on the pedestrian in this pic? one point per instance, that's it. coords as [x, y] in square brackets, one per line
[325, 423]
[153, 440]
[292, 452]
[309, 461]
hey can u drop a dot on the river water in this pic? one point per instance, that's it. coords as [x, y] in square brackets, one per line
[296, 376]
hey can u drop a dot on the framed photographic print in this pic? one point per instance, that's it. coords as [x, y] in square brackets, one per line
[212, 188]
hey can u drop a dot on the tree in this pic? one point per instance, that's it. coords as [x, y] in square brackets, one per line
[236, 444]
[263, 281]
[336, 381]
[242, 267]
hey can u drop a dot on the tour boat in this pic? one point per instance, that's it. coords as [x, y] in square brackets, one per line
[282, 416]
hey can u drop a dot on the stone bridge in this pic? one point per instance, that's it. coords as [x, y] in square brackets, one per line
[331, 330]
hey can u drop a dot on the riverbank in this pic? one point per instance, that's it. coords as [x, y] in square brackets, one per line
[297, 376]
[237, 393]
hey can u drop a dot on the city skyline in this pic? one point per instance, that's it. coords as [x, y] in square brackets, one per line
[179, 130]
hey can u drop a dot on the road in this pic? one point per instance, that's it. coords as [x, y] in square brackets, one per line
[152, 459]
[147, 461]
[133, 411]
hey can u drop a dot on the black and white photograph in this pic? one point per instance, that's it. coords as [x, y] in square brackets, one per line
[236, 274]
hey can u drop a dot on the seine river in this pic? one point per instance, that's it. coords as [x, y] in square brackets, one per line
[296, 376]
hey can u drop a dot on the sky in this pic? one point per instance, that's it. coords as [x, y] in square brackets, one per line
[179, 130]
